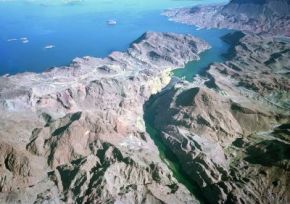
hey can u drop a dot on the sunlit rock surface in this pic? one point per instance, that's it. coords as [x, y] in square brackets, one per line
[76, 134]
[266, 17]
[230, 130]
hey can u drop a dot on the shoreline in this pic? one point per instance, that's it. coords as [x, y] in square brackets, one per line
[68, 104]
[124, 129]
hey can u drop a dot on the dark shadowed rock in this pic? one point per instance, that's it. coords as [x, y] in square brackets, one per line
[76, 134]
[232, 139]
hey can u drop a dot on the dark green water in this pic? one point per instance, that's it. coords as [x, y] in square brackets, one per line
[166, 155]
[215, 54]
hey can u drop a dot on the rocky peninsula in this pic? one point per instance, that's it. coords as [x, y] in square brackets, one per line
[230, 128]
[76, 134]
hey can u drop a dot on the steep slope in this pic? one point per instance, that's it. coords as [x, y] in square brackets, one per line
[230, 130]
[267, 17]
[76, 134]
[258, 8]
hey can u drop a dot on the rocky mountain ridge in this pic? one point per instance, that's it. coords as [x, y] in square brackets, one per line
[76, 134]
[264, 17]
[230, 128]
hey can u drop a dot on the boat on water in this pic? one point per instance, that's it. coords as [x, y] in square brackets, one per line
[12, 39]
[111, 22]
[49, 47]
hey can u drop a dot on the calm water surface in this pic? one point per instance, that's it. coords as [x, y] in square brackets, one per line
[79, 29]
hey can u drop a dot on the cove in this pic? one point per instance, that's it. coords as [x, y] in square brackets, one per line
[216, 54]
[81, 29]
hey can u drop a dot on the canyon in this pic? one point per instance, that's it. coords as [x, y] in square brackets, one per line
[124, 129]
[77, 134]
[230, 128]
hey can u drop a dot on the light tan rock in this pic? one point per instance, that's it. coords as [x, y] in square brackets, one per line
[229, 133]
[83, 125]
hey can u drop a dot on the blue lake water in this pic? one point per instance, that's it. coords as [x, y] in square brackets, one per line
[80, 29]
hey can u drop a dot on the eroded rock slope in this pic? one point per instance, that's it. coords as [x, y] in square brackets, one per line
[230, 129]
[267, 17]
[76, 134]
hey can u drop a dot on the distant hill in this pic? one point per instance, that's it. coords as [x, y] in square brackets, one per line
[268, 17]
[258, 8]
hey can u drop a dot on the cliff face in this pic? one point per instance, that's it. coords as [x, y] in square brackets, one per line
[230, 130]
[258, 8]
[76, 134]
[267, 17]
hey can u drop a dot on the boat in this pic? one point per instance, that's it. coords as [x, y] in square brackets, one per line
[49, 46]
[111, 22]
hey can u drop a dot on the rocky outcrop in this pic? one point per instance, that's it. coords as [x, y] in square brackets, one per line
[76, 134]
[266, 17]
[229, 129]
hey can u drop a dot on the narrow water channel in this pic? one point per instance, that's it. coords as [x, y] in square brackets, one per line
[215, 54]
[166, 154]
